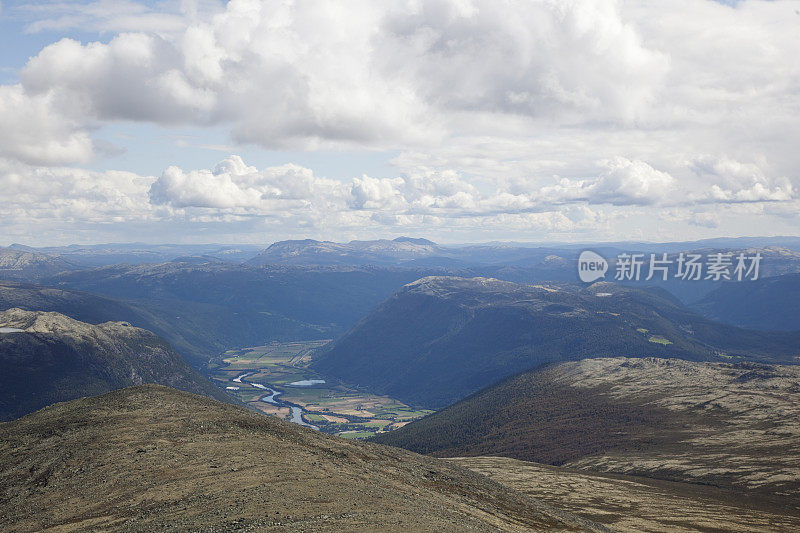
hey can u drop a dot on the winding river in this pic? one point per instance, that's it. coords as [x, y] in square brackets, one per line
[297, 411]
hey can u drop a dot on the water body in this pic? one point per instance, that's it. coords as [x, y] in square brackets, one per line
[307, 383]
[239, 378]
[257, 385]
[297, 412]
[270, 398]
[297, 418]
[11, 330]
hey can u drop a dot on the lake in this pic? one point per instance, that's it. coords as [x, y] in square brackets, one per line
[306, 383]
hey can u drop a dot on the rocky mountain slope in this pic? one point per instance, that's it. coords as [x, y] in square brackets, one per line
[47, 357]
[31, 265]
[728, 425]
[194, 331]
[636, 504]
[440, 339]
[153, 459]
[75, 304]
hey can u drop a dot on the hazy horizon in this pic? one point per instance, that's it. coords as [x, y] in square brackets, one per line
[267, 243]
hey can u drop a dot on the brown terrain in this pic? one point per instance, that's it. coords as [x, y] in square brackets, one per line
[150, 458]
[637, 504]
[729, 428]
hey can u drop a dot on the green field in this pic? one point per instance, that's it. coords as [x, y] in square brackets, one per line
[333, 407]
[658, 339]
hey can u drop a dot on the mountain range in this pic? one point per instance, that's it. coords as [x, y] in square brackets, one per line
[205, 308]
[30, 266]
[311, 252]
[440, 339]
[94, 255]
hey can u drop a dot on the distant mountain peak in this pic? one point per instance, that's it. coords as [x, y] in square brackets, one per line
[380, 251]
[413, 240]
[293, 242]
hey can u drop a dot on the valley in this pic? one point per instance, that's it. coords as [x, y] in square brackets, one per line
[275, 379]
[534, 406]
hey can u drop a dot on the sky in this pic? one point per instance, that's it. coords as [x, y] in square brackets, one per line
[456, 120]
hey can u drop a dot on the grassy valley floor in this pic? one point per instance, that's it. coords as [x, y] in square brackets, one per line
[253, 374]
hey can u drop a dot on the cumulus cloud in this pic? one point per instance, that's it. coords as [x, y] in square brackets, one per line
[623, 182]
[34, 194]
[236, 197]
[133, 78]
[494, 113]
[357, 73]
[374, 193]
[34, 131]
[531, 58]
[233, 184]
[631, 182]
[734, 181]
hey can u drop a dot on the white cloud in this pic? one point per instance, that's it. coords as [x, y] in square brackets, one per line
[493, 112]
[233, 184]
[130, 78]
[623, 182]
[357, 73]
[241, 202]
[734, 181]
[374, 193]
[35, 195]
[34, 131]
[631, 182]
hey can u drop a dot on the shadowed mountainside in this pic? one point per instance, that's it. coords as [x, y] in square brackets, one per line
[442, 338]
[207, 308]
[48, 357]
[151, 458]
[767, 304]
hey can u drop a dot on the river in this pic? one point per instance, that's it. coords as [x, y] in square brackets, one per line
[297, 411]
